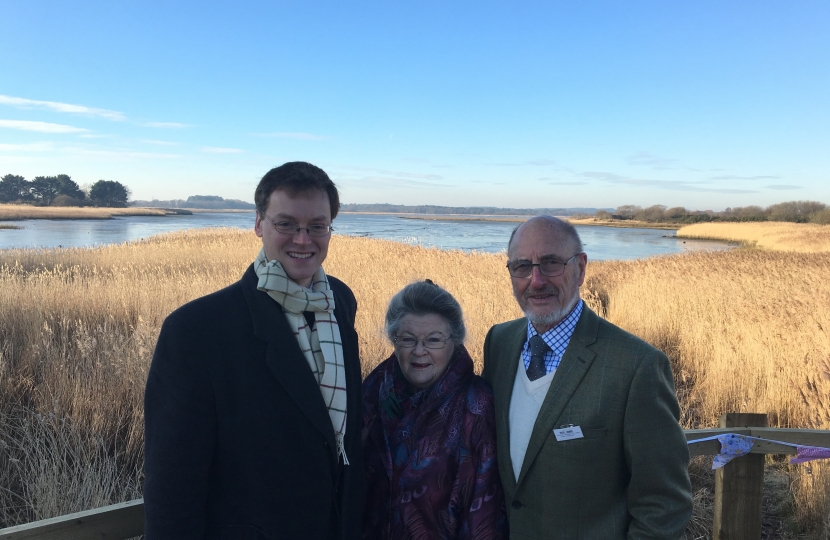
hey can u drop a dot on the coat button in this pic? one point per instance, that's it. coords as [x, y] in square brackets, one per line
[517, 505]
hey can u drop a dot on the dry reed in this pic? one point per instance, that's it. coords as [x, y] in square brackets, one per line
[14, 212]
[746, 330]
[774, 236]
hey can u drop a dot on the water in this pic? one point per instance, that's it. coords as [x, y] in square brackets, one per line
[488, 236]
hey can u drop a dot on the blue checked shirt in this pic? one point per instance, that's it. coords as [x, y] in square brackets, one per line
[557, 339]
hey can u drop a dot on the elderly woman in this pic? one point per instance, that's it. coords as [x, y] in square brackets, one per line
[429, 435]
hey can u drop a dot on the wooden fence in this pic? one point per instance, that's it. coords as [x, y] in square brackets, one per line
[738, 489]
[114, 522]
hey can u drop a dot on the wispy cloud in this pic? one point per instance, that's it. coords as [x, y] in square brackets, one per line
[398, 174]
[118, 154]
[40, 127]
[387, 182]
[733, 177]
[160, 143]
[648, 159]
[219, 150]
[24, 103]
[542, 162]
[548, 163]
[165, 125]
[29, 147]
[552, 182]
[298, 135]
[85, 150]
[674, 185]
[784, 187]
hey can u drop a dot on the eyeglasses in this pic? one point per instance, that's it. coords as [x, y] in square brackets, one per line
[522, 268]
[289, 227]
[409, 342]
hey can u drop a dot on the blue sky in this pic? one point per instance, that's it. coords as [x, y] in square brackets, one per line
[525, 104]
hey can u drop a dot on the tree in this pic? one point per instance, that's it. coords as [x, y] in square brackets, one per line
[109, 193]
[653, 213]
[70, 188]
[627, 211]
[797, 211]
[675, 213]
[822, 217]
[45, 189]
[749, 213]
[14, 188]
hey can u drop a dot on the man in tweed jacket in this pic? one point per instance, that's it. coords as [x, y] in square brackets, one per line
[589, 444]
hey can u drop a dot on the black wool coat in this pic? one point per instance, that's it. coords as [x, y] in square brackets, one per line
[238, 441]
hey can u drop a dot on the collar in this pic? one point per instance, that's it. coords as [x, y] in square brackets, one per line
[558, 337]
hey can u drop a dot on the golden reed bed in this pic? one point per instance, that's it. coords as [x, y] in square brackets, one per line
[747, 330]
[775, 236]
[15, 212]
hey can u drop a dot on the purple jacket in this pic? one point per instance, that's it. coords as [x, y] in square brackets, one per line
[430, 457]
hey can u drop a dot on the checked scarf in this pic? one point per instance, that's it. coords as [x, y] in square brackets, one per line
[321, 345]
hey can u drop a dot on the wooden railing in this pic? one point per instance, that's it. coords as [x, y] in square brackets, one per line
[738, 489]
[114, 522]
[739, 485]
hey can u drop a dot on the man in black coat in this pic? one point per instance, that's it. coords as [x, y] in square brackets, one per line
[252, 406]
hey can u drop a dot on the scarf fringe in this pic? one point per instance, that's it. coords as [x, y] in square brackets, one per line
[341, 448]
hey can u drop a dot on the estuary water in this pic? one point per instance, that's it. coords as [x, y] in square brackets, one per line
[487, 236]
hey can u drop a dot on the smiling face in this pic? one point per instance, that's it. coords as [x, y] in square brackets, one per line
[421, 367]
[300, 254]
[546, 300]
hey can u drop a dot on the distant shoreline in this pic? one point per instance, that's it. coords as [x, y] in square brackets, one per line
[591, 222]
[24, 212]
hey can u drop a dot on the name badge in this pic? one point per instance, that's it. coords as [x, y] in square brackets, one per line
[568, 433]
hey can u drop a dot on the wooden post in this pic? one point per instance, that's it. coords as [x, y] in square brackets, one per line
[739, 487]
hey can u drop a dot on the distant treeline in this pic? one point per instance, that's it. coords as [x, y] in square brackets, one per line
[794, 211]
[472, 210]
[61, 190]
[202, 202]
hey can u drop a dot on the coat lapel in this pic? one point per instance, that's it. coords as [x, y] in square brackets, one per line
[575, 364]
[502, 391]
[285, 359]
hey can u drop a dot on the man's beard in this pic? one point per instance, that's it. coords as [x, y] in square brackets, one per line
[551, 317]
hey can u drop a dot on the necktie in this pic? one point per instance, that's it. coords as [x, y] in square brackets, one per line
[538, 348]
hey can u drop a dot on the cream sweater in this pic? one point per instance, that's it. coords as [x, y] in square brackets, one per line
[525, 404]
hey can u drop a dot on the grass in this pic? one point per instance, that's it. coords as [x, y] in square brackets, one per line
[774, 236]
[16, 212]
[746, 330]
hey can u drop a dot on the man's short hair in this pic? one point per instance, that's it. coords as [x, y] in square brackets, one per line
[295, 177]
[553, 222]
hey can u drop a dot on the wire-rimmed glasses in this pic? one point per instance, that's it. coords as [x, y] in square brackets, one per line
[522, 268]
[410, 342]
[289, 227]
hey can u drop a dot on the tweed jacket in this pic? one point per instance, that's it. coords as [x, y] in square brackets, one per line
[627, 477]
[238, 442]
